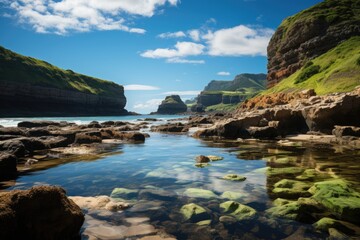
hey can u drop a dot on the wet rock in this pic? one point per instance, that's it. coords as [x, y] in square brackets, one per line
[34, 124]
[124, 193]
[151, 119]
[8, 164]
[239, 211]
[13, 146]
[325, 223]
[42, 212]
[291, 189]
[227, 220]
[199, 193]
[157, 194]
[233, 195]
[88, 137]
[338, 197]
[202, 159]
[132, 136]
[304, 210]
[37, 132]
[13, 131]
[266, 132]
[341, 131]
[284, 171]
[214, 158]
[99, 203]
[94, 124]
[335, 234]
[234, 177]
[202, 165]
[107, 124]
[194, 213]
[174, 128]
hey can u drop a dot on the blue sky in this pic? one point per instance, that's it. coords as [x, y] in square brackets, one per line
[153, 48]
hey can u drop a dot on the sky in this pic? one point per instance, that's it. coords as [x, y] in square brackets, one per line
[153, 48]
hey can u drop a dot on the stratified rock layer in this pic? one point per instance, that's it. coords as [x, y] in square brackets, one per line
[309, 34]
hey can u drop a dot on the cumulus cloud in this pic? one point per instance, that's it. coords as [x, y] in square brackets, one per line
[178, 34]
[194, 35]
[223, 73]
[138, 87]
[61, 17]
[150, 104]
[238, 41]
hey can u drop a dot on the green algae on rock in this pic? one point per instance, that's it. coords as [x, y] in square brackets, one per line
[284, 171]
[194, 213]
[199, 193]
[291, 189]
[124, 193]
[239, 211]
[234, 177]
[233, 195]
[338, 197]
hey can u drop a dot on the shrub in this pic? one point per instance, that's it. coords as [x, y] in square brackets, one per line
[307, 72]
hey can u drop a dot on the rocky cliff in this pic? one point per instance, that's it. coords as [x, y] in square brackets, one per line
[172, 105]
[310, 34]
[30, 87]
[229, 92]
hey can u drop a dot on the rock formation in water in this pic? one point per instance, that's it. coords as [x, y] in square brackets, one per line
[31, 87]
[172, 105]
[229, 92]
[309, 34]
[43, 212]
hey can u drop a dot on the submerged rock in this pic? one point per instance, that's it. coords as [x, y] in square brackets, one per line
[239, 211]
[234, 177]
[291, 189]
[99, 203]
[124, 193]
[214, 158]
[199, 193]
[43, 212]
[338, 197]
[233, 195]
[325, 223]
[194, 213]
[202, 159]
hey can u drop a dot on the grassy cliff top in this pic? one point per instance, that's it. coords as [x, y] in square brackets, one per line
[15, 68]
[332, 11]
[338, 70]
[241, 81]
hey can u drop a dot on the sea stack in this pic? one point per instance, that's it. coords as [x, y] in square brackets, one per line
[172, 105]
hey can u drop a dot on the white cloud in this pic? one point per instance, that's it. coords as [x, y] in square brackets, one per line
[150, 104]
[238, 41]
[138, 87]
[223, 73]
[182, 49]
[61, 17]
[182, 93]
[178, 34]
[180, 60]
[194, 35]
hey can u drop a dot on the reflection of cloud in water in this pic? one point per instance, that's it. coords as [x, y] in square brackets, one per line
[179, 173]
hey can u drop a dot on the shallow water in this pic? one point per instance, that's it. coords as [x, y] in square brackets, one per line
[166, 163]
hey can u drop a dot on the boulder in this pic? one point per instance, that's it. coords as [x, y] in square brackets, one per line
[99, 203]
[8, 164]
[37, 132]
[202, 159]
[33, 124]
[239, 211]
[291, 189]
[199, 193]
[88, 137]
[174, 127]
[194, 213]
[94, 124]
[13, 146]
[340, 131]
[14, 131]
[43, 212]
[132, 136]
[339, 198]
[234, 177]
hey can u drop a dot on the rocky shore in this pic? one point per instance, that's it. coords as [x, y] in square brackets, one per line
[35, 141]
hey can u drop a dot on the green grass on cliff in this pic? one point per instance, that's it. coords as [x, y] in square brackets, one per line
[222, 108]
[332, 11]
[338, 70]
[245, 92]
[18, 69]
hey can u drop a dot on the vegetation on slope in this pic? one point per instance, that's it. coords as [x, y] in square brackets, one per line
[338, 70]
[221, 108]
[15, 68]
[242, 82]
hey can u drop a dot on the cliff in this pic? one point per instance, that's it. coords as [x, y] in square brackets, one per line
[309, 34]
[31, 87]
[219, 95]
[172, 105]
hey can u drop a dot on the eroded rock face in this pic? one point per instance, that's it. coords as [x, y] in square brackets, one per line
[172, 105]
[42, 212]
[309, 34]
